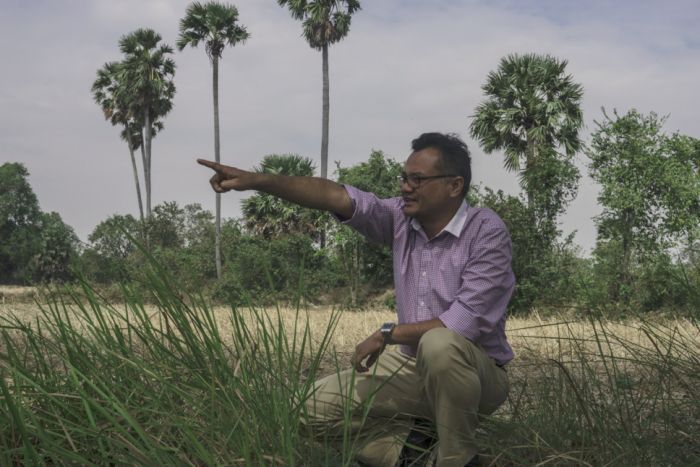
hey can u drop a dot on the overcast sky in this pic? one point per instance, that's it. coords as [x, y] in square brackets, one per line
[407, 66]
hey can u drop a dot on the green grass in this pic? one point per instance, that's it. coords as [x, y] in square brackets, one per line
[88, 382]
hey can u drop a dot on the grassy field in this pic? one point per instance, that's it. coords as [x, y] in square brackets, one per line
[180, 382]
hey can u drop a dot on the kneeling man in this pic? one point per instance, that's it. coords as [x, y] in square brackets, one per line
[453, 280]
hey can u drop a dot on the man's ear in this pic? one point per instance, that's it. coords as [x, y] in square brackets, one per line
[456, 186]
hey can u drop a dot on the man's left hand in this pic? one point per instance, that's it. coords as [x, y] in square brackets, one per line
[369, 349]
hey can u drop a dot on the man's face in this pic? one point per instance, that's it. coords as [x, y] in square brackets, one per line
[431, 197]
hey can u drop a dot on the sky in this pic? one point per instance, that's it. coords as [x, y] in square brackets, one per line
[406, 67]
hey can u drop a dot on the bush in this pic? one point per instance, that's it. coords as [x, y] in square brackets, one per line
[286, 268]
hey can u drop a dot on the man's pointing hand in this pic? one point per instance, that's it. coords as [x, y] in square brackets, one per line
[227, 178]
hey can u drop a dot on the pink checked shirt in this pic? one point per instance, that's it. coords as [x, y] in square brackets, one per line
[463, 276]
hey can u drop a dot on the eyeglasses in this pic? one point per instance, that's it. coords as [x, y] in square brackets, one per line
[415, 181]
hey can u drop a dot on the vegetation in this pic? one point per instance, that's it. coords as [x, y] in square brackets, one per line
[325, 22]
[532, 113]
[89, 382]
[270, 217]
[97, 384]
[367, 264]
[650, 196]
[217, 26]
[35, 246]
[146, 81]
[109, 93]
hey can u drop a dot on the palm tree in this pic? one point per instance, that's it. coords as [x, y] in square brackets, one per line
[214, 24]
[269, 216]
[108, 92]
[325, 22]
[147, 73]
[533, 109]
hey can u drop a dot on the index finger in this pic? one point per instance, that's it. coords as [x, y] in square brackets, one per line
[211, 164]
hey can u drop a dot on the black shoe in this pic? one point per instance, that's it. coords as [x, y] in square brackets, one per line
[474, 462]
[416, 451]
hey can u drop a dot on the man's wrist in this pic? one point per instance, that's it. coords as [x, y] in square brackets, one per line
[386, 331]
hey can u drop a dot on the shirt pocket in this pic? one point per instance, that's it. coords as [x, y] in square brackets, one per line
[449, 279]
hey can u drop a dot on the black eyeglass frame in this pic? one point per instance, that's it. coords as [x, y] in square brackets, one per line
[415, 181]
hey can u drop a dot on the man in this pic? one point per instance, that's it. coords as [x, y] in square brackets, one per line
[453, 280]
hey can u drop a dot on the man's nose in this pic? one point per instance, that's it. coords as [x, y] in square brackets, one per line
[405, 187]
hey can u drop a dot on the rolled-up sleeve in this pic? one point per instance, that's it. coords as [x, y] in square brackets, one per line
[372, 217]
[487, 284]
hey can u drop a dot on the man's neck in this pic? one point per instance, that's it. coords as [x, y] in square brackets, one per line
[433, 226]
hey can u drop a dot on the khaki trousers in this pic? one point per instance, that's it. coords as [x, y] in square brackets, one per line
[450, 382]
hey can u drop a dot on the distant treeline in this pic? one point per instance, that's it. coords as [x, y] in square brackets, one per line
[645, 258]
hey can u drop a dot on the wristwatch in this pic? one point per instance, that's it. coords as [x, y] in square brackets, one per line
[386, 330]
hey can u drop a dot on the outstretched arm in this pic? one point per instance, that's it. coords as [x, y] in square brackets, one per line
[310, 192]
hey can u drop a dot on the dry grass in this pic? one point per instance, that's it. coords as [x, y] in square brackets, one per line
[14, 294]
[532, 337]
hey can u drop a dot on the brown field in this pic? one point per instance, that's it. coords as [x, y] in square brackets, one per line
[16, 294]
[532, 337]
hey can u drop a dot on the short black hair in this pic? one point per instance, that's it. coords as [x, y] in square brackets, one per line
[455, 158]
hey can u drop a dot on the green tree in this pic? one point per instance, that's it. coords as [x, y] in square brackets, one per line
[181, 239]
[34, 246]
[532, 113]
[325, 22]
[147, 73]
[110, 238]
[546, 271]
[268, 216]
[110, 94]
[105, 260]
[650, 193]
[363, 261]
[20, 222]
[215, 24]
[58, 249]
[552, 184]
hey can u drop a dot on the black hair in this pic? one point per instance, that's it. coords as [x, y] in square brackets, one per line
[455, 158]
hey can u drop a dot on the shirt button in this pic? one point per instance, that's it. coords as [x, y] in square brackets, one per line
[423, 273]
[422, 303]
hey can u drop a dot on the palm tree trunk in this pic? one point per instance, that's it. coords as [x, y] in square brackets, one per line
[326, 111]
[143, 158]
[217, 157]
[136, 172]
[144, 227]
[147, 168]
[324, 128]
[529, 162]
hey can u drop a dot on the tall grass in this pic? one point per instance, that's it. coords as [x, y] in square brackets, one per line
[603, 399]
[90, 382]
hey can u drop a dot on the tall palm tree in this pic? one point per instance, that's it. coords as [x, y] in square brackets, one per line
[109, 94]
[532, 110]
[147, 73]
[215, 24]
[325, 22]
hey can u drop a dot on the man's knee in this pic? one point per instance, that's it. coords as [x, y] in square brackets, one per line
[327, 401]
[440, 349]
